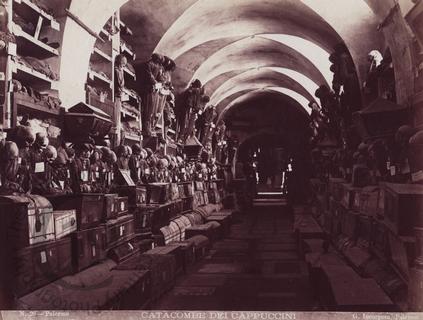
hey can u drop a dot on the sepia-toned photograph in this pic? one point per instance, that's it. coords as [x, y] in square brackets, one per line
[211, 159]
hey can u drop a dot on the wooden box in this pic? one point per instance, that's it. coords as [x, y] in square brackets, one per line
[64, 223]
[89, 207]
[143, 216]
[136, 194]
[162, 271]
[88, 247]
[403, 207]
[26, 220]
[124, 250]
[119, 230]
[157, 193]
[40, 264]
[110, 210]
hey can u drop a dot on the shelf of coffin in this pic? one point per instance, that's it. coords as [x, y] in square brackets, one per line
[124, 49]
[123, 24]
[132, 136]
[32, 77]
[126, 112]
[12, 49]
[130, 94]
[26, 8]
[129, 72]
[26, 102]
[93, 75]
[106, 33]
[30, 46]
[102, 54]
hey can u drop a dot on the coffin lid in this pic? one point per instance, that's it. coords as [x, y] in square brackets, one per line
[41, 202]
[173, 226]
[171, 229]
[85, 108]
[381, 105]
[185, 182]
[370, 189]
[121, 219]
[157, 184]
[202, 227]
[196, 217]
[162, 250]
[405, 188]
[213, 224]
[182, 220]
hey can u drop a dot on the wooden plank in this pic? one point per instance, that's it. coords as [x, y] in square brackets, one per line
[32, 43]
[102, 54]
[38, 28]
[83, 25]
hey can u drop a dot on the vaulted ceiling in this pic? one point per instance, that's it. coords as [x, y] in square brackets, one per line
[239, 46]
[247, 48]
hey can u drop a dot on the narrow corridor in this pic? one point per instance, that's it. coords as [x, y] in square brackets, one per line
[256, 267]
[211, 155]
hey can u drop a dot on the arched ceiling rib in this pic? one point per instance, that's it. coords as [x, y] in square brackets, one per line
[258, 79]
[317, 55]
[258, 51]
[254, 53]
[190, 61]
[305, 82]
[302, 102]
[320, 22]
[187, 64]
[208, 20]
[290, 78]
[150, 19]
[193, 30]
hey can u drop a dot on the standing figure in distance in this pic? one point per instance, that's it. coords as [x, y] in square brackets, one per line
[120, 64]
[148, 81]
[185, 104]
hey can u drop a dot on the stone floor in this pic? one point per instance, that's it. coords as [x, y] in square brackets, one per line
[256, 267]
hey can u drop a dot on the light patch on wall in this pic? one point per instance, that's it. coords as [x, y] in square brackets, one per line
[355, 22]
[318, 56]
[406, 6]
[78, 45]
[342, 16]
[95, 13]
